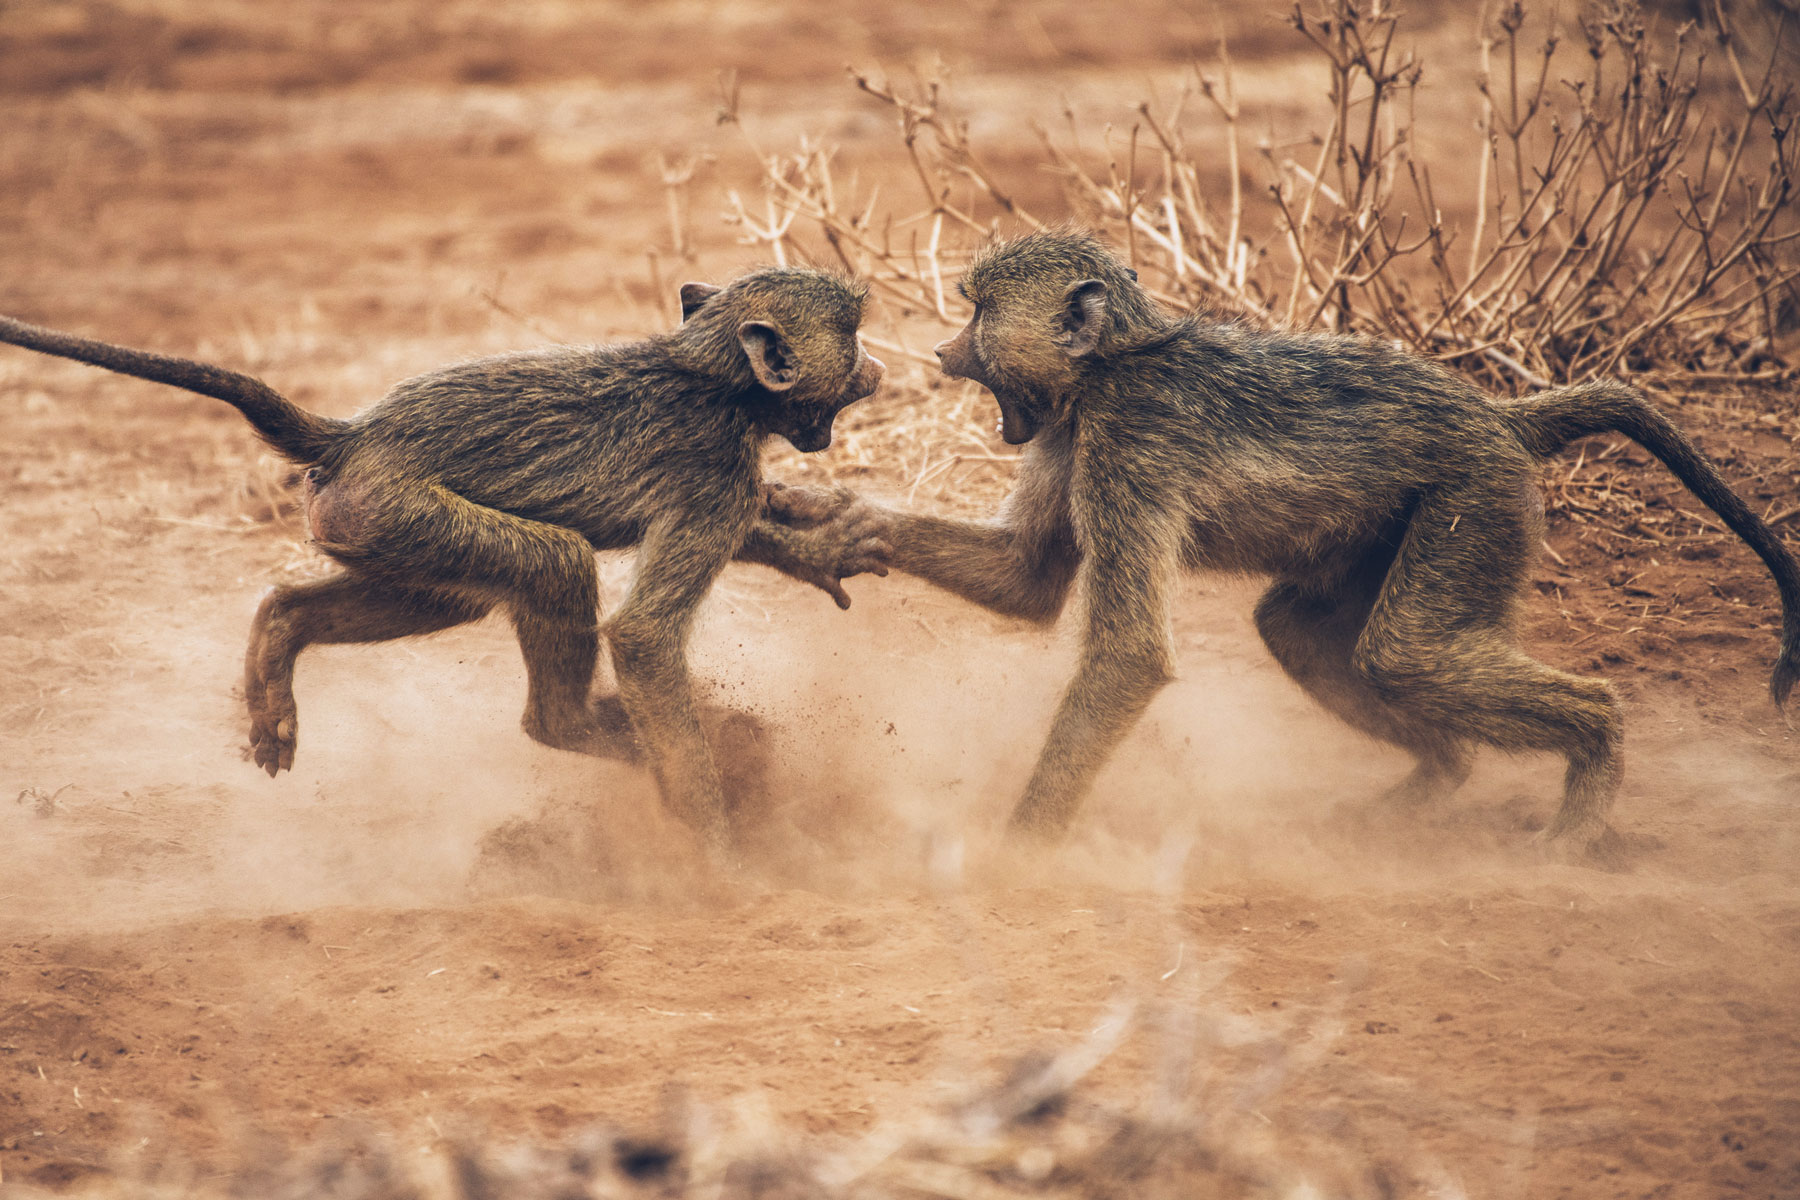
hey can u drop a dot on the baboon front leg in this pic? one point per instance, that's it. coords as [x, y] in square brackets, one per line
[681, 556]
[341, 608]
[994, 565]
[1127, 656]
[1312, 634]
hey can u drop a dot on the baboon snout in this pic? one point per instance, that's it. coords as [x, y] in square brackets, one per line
[867, 378]
[955, 357]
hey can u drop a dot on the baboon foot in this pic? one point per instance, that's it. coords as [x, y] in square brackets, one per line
[274, 732]
[1586, 841]
[274, 720]
[1032, 825]
[1412, 792]
[601, 730]
[1375, 819]
[1427, 784]
[713, 828]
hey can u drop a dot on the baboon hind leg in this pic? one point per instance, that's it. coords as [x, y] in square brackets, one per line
[1439, 644]
[1312, 634]
[546, 577]
[560, 659]
[341, 608]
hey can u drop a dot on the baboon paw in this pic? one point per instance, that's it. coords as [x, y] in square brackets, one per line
[871, 556]
[593, 742]
[1035, 830]
[1585, 843]
[711, 826]
[273, 740]
[1410, 795]
[1609, 852]
[611, 731]
[1376, 818]
[847, 547]
[602, 731]
[619, 745]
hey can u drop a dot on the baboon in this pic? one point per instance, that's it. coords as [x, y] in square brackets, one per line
[1394, 505]
[493, 482]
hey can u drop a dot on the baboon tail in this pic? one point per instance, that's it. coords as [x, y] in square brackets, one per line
[1550, 420]
[299, 435]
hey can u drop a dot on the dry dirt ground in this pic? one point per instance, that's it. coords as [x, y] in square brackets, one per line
[433, 925]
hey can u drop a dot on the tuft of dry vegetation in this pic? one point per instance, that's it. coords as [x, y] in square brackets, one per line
[1038, 1130]
[1629, 211]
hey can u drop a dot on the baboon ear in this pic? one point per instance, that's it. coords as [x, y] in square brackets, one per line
[769, 355]
[693, 295]
[1082, 318]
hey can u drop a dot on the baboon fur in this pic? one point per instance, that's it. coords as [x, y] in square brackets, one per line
[493, 482]
[1395, 506]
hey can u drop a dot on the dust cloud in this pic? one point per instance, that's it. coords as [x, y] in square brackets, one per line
[889, 744]
[896, 738]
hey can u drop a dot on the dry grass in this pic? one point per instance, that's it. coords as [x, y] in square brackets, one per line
[919, 440]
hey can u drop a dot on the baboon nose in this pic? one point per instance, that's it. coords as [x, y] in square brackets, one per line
[869, 378]
[947, 358]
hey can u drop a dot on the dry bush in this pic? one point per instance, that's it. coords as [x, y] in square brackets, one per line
[1037, 1131]
[1629, 210]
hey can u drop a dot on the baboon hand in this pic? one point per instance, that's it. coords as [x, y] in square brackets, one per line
[806, 507]
[855, 543]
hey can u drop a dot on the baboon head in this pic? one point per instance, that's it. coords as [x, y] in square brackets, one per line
[787, 339]
[1049, 308]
